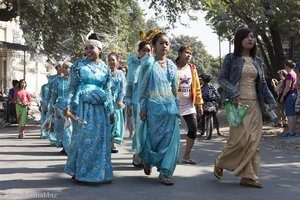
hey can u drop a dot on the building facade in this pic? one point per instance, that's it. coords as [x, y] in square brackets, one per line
[18, 61]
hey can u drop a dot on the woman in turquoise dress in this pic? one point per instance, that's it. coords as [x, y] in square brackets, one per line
[118, 93]
[44, 109]
[159, 134]
[89, 159]
[62, 124]
[52, 79]
[134, 62]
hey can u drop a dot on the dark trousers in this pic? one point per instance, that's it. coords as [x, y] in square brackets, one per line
[191, 121]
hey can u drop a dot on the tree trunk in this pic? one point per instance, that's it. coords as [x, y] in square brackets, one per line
[264, 55]
[278, 62]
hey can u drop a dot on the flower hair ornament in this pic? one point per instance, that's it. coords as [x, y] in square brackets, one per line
[118, 55]
[149, 35]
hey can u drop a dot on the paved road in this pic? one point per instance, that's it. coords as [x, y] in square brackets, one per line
[31, 169]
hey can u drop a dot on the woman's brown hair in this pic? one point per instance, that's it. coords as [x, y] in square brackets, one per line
[290, 64]
[22, 80]
[183, 48]
[239, 36]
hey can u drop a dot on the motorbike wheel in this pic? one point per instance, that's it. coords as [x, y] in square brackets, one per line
[2, 122]
[209, 126]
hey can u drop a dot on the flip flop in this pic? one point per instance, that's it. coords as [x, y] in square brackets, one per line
[218, 172]
[189, 161]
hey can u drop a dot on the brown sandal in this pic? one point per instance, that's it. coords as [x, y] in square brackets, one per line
[147, 169]
[218, 172]
[165, 180]
[250, 183]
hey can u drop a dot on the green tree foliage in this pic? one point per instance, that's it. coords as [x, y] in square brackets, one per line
[204, 62]
[58, 28]
[8, 9]
[272, 20]
[171, 10]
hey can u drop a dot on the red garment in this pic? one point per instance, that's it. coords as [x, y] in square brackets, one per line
[23, 95]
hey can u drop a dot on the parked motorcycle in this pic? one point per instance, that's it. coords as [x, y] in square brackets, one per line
[3, 112]
[7, 112]
[206, 122]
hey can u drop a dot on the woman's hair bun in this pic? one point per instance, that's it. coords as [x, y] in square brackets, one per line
[93, 36]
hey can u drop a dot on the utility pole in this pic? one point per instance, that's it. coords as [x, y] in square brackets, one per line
[220, 53]
[24, 74]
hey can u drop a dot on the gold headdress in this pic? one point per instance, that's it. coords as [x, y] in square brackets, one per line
[149, 35]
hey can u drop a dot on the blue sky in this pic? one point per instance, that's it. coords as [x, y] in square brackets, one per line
[197, 29]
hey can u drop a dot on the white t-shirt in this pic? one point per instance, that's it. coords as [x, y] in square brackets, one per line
[184, 91]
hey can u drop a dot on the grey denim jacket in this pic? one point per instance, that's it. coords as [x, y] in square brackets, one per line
[230, 75]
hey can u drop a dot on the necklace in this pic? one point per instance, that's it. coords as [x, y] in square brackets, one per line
[162, 61]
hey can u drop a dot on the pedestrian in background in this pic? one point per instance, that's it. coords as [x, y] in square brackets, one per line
[52, 79]
[11, 105]
[282, 119]
[22, 100]
[189, 96]
[132, 103]
[289, 97]
[118, 92]
[59, 100]
[43, 105]
[209, 94]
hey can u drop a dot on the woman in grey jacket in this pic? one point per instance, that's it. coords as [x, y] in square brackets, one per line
[243, 81]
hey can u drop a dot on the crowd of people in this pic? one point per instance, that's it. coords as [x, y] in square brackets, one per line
[85, 106]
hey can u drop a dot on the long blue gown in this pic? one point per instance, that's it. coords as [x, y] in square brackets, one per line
[43, 102]
[51, 82]
[158, 139]
[132, 87]
[59, 98]
[118, 93]
[89, 159]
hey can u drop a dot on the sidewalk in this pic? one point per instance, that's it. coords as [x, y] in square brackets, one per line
[31, 169]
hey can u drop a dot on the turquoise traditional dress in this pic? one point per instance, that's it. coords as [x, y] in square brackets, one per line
[51, 82]
[90, 98]
[59, 98]
[43, 102]
[118, 93]
[158, 139]
[132, 88]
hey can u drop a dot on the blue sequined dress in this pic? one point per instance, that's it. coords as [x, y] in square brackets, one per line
[89, 159]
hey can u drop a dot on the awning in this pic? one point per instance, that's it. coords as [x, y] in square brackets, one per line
[14, 46]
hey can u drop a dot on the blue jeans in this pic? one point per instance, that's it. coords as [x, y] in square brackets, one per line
[289, 104]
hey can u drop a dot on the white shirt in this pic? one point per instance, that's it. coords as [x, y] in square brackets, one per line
[184, 91]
